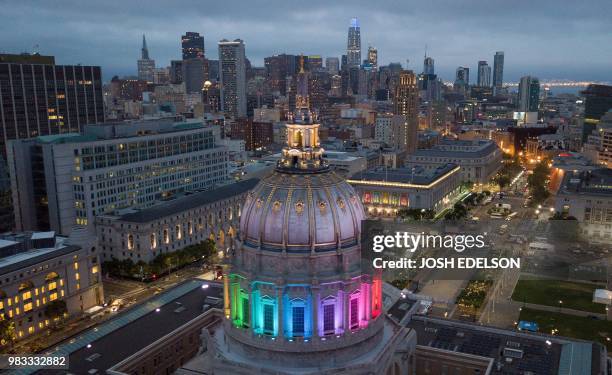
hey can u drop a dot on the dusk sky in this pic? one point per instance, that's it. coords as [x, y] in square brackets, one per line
[546, 38]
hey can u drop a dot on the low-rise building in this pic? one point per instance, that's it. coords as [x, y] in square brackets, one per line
[38, 268]
[143, 234]
[384, 191]
[587, 196]
[479, 159]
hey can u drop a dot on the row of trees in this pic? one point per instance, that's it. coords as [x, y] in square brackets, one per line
[416, 214]
[508, 171]
[537, 182]
[161, 264]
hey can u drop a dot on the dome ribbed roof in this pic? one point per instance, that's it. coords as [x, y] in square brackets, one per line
[302, 212]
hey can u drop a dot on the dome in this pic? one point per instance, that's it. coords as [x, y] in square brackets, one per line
[302, 212]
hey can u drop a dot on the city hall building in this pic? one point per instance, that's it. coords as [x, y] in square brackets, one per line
[385, 191]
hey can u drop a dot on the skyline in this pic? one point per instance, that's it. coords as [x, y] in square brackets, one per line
[471, 31]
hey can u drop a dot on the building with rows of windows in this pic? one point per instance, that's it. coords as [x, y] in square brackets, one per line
[65, 180]
[143, 234]
[479, 159]
[39, 268]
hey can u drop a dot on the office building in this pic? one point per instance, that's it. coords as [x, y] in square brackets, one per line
[39, 269]
[387, 128]
[462, 80]
[484, 74]
[428, 65]
[353, 49]
[384, 191]
[142, 234]
[59, 181]
[498, 72]
[587, 196]
[405, 103]
[278, 68]
[194, 74]
[232, 72]
[176, 71]
[332, 64]
[598, 101]
[146, 65]
[479, 159]
[192, 45]
[529, 94]
[373, 57]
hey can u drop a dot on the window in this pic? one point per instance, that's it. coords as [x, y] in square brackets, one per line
[328, 319]
[298, 320]
[94, 270]
[268, 319]
[354, 313]
[52, 297]
[27, 307]
[245, 312]
[52, 285]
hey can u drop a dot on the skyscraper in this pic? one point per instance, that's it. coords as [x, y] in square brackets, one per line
[529, 94]
[353, 49]
[146, 66]
[405, 103]
[598, 101]
[462, 79]
[428, 65]
[194, 74]
[498, 71]
[193, 45]
[40, 98]
[484, 74]
[373, 57]
[332, 64]
[232, 74]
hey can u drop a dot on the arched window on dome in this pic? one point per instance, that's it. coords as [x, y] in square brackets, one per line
[329, 316]
[298, 318]
[355, 314]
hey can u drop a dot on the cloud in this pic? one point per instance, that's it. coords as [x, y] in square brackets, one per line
[541, 37]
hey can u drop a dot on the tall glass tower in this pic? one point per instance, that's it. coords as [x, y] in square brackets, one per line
[353, 49]
[498, 71]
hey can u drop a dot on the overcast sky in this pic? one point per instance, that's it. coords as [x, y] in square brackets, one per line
[558, 39]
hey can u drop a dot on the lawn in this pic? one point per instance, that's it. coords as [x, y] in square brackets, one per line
[570, 325]
[577, 296]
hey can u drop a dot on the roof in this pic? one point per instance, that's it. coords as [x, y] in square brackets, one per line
[42, 235]
[30, 258]
[596, 182]
[416, 175]
[66, 138]
[479, 149]
[187, 202]
[136, 328]
[541, 354]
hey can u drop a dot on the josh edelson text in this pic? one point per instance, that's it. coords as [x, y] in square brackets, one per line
[408, 243]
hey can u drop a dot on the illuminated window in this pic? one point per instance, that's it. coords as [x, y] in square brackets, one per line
[78, 286]
[130, 242]
[354, 307]
[20, 334]
[77, 276]
[17, 311]
[189, 228]
[76, 265]
[10, 313]
[94, 269]
[53, 296]
[44, 300]
[268, 325]
[153, 241]
[31, 329]
[298, 320]
[40, 324]
[166, 236]
[178, 231]
[328, 319]
[52, 285]
[26, 295]
[27, 307]
[62, 292]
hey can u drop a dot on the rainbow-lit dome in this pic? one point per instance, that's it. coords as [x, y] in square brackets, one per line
[302, 213]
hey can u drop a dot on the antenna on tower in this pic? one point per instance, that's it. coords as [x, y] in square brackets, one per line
[425, 50]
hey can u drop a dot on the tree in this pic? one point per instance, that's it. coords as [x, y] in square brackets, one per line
[7, 331]
[55, 309]
[502, 181]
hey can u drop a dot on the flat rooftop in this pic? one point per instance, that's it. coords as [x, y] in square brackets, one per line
[459, 149]
[416, 175]
[186, 202]
[596, 182]
[136, 328]
[30, 258]
[563, 356]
